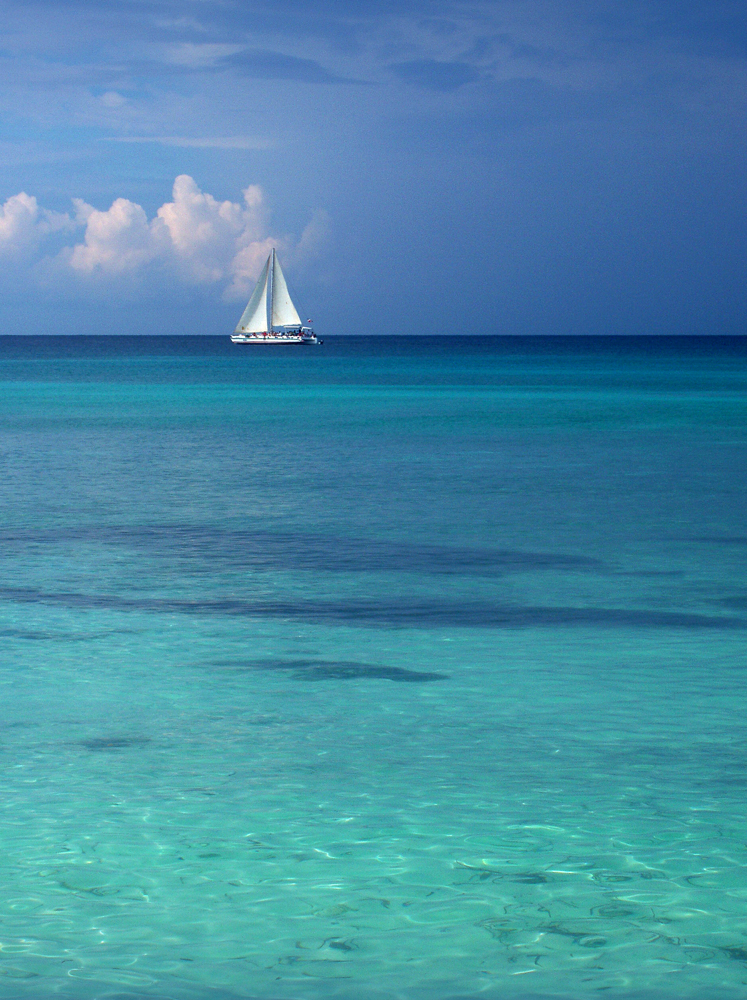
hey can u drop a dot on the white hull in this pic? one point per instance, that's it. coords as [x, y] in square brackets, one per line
[274, 339]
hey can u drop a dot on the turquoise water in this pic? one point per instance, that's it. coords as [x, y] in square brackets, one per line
[394, 668]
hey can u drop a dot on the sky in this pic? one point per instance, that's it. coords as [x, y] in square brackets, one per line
[421, 166]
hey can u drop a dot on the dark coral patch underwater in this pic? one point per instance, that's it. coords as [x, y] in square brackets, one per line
[103, 743]
[336, 670]
[388, 614]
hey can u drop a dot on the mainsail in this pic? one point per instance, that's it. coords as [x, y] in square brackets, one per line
[254, 317]
[283, 311]
[270, 305]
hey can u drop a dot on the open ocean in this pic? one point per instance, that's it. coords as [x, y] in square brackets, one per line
[393, 669]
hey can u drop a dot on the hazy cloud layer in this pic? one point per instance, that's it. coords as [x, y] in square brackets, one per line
[441, 46]
[198, 239]
[203, 142]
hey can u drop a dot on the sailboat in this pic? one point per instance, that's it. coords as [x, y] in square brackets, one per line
[270, 316]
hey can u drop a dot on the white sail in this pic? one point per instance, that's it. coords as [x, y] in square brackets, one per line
[283, 311]
[254, 317]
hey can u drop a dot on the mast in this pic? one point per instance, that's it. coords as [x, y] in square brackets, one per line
[270, 291]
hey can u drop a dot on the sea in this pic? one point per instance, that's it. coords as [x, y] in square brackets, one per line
[397, 668]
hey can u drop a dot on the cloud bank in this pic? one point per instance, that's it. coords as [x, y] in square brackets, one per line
[197, 239]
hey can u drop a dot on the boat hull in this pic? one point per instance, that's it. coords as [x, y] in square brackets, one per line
[274, 340]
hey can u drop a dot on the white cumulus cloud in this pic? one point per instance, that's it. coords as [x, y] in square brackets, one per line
[205, 235]
[23, 225]
[194, 239]
[116, 241]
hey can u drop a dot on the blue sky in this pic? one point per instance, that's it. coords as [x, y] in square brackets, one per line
[499, 167]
